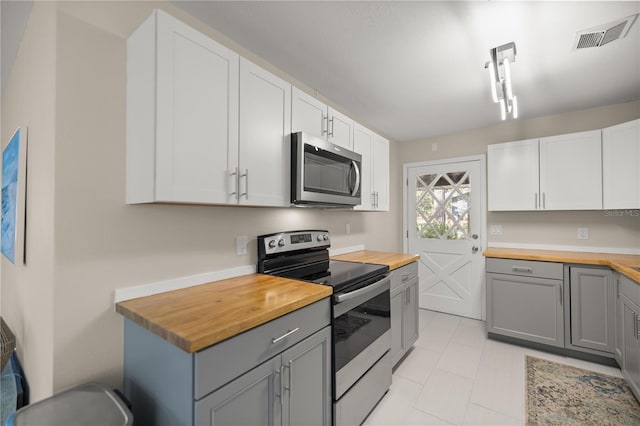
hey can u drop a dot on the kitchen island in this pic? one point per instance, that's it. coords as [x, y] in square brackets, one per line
[205, 351]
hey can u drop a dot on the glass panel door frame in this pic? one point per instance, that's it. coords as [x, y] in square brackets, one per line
[407, 221]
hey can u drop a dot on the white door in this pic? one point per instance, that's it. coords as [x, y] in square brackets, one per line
[265, 120]
[340, 129]
[197, 114]
[380, 179]
[620, 170]
[308, 114]
[445, 226]
[571, 171]
[363, 145]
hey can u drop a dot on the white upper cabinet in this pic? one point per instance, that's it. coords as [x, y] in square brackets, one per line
[363, 145]
[182, 114]
[265, 119]
[513, 175]
[571, 171]
[621, 166]
[308, 114]
[380, 172]
[555, 173]
[340, 130]
[314, 117]
[375, 168]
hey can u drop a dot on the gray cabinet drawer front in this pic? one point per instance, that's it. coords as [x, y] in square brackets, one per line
[527, 268]
[223, 362]
[403, 275]
[629, 288]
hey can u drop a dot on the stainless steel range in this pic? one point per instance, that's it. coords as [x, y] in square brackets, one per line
[361, 315]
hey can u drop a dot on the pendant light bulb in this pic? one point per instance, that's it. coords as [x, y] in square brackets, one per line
[507, 78]
[515, 107]
[503, 109]
[492, 83]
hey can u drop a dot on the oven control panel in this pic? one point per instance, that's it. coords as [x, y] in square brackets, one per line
[283, 242]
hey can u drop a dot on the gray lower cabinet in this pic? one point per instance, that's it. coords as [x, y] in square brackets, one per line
[630, 331]
[285, 390]
[278, 373]
[592, 309]
[618, 323]
[525, 300]
[404, 310]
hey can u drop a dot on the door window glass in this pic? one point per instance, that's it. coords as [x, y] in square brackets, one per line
[442, 206]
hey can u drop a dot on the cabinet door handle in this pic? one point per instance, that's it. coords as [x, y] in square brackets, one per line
[536, 201]
[245, 175]
[522, 269]
[288, 388]
[287, 367]
[405, 278]
[561, 296]
[637, 326]
[236, 179]
[331, 122]
[279, 387]
[325, 124]
[285, 335]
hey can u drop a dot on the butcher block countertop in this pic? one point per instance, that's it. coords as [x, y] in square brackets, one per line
[622, 263]
[196, 317]
[392, 260]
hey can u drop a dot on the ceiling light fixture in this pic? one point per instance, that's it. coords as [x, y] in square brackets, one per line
[500, 75]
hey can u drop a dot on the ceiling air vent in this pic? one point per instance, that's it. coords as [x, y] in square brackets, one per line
[603, 34]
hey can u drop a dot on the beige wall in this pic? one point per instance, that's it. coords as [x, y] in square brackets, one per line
[93, 242]
[606, 229]
[27, 290]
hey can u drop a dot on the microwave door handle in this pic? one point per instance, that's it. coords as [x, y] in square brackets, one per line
[357, 184]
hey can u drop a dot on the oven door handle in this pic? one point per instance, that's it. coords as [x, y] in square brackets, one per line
[343, 297]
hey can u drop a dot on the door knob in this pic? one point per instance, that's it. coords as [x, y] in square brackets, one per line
[474, 249]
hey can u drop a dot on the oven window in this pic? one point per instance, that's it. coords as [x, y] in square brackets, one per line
[327, 173]
[356, 329]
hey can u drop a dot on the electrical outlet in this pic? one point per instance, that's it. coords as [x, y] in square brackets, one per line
[495, 229]
[241, 245]
[583, 233]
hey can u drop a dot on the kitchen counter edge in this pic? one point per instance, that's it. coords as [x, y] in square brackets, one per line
[391, 259]
[622, 263]
[200, 316]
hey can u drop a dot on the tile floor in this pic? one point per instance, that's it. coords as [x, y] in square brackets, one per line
[455, 375]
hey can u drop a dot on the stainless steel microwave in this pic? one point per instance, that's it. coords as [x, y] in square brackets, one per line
[323, 174]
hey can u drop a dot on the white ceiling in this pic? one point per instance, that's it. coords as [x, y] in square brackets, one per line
[416, 69]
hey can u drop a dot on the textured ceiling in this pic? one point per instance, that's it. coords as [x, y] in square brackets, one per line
[416, 69]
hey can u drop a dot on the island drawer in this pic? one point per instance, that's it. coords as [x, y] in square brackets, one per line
[403, 275]
[219, 364]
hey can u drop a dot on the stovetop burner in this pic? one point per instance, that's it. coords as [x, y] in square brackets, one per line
[304, 255]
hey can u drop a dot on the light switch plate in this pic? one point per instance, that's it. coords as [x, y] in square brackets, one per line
[495, 229]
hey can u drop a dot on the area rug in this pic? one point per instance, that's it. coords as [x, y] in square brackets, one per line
[559, 394]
